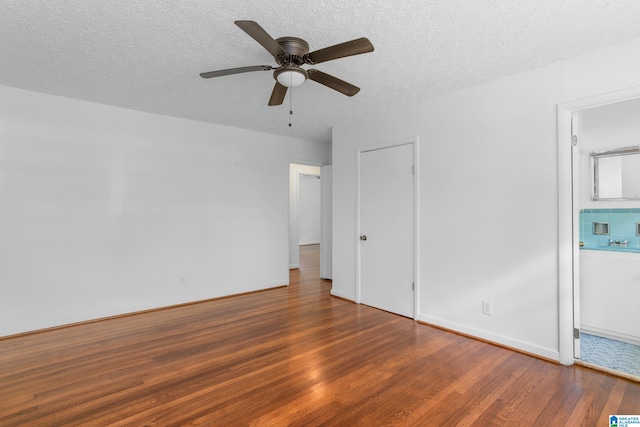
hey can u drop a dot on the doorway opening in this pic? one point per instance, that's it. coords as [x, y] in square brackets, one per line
[587, 335]
[608, 257]
[310, 213]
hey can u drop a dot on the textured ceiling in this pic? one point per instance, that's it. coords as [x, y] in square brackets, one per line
[146, 55]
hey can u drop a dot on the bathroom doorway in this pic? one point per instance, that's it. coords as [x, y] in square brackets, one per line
[609, 250]
[604, 329]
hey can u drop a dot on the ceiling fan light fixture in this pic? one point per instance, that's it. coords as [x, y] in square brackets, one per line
[291, 77]
[290, 53]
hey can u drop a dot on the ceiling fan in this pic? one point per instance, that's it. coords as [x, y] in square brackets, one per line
[290, 53]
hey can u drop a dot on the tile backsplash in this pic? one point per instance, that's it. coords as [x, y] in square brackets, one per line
[622, 226]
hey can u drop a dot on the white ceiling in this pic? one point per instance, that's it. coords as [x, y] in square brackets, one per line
[146, 55]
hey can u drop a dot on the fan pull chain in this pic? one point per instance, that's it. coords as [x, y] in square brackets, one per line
[290, 104]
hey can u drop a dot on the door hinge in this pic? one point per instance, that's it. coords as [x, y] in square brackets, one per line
[576, 333]
[574, 140]
[413, 169]
[413, 286]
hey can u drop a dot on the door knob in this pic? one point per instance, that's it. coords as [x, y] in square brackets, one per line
[363, 237]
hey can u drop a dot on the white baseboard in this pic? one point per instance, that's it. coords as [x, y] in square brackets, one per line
[592, 330]
[488, 336]
[342, 295]
[119, 311]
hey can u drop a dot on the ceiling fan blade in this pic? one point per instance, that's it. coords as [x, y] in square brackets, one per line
[350, 48]
[219, 73]
[333, 82]
[261, 36]
[278, 94]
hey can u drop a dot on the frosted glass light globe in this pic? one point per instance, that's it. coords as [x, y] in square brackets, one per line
[291, 78]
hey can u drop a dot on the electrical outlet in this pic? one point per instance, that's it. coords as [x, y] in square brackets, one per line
[182, 280]
[487, 308]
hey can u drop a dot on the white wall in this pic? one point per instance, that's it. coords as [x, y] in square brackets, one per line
[102, 209]
[489, 196]
[310, 220]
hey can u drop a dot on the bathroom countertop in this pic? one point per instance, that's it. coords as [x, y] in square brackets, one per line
[608, 248]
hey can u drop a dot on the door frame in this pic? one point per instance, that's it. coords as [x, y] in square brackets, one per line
[568, 259]
[326, 263]
[416, 216]
[294, 209]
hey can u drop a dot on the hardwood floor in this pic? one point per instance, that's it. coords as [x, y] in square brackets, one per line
[290, 356]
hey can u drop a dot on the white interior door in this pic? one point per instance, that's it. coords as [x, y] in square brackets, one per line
[309, 210]
[575, 214]
[387, 229]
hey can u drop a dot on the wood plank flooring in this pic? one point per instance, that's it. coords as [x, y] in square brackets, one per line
[290, 356]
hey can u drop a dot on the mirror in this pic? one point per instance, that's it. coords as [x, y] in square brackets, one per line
[616, 174]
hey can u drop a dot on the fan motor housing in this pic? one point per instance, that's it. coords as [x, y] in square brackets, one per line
[296, 49]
